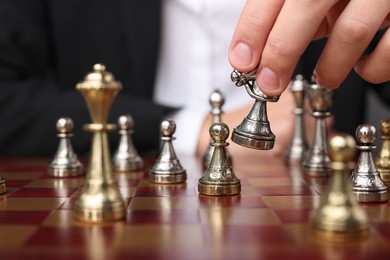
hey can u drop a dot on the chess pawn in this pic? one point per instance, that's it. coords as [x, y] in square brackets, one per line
[254, 131]
[126, 157]
[100, 199]
[167, 168]
[316, 163]
[366, 182]
[383, 160]
[65, 162]
[3, 186]
[219, 178]
[298, 147]
[339, 217]
[216, 101]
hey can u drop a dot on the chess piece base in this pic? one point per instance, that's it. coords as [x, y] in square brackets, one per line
[98, 215]
[378, 196]
[215, 189]
[252, 142]
[316, 172]
[385, 175]
[128, 166]
[166, 178]
[3, 187]
[340, 236]
[65, 171]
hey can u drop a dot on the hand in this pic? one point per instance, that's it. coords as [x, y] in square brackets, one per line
[273, 34]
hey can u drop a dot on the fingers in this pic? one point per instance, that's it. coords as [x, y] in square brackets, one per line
[350, 36]
[251, 33]
[375, 68]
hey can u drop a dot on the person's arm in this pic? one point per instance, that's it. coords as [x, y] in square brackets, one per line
[272, 35]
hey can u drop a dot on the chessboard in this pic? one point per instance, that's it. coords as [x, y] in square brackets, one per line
[268, 220]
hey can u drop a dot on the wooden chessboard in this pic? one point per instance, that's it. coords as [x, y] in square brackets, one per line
[268, 220]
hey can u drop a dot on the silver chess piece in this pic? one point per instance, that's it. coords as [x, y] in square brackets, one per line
[254, 131]
[366, 182]
[383, 160]
[126, 157]
[317, 160]
[216, 101]
[3, 186]
[219, 178]
[298, 147]
[167, 168]
[65, 162]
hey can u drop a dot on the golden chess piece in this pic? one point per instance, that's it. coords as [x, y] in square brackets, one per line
[383, 160]
[219, 178]
[3, 186]
[100, 199]
[339, 217]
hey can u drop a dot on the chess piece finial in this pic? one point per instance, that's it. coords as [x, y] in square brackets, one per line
[298, 146]
[366, 182]
[339, 217]
[99, 199]
[219, 178]
[126, 157]
[254, 131]
[216, 100]
[3, 186]
[65, 162]
[383, 160]
[317, 160]
[167, 168]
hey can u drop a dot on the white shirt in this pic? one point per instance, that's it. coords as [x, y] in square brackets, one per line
[194, 61]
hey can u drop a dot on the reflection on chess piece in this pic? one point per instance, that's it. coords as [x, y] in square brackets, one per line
[100, 199]
[339, 217]
[216, 101]
[65, 162]
[383, 160]
[167, 168]
[219, 178]
[254, 131]
[3, 186]
[366, 182]
[317, 159]
[126, 157]
[298, 147]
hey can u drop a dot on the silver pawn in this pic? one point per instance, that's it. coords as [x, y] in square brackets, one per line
[366, 182]
[317, 160]
[65, 162]
[167, 168]
[298, 147]
[126, 157]
[219, 178]
[216, 101]
[254, 131]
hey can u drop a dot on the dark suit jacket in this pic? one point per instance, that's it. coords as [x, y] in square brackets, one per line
[47, 46]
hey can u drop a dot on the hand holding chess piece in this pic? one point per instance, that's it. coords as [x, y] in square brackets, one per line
[126, 157]
[219, 178]
[65, 162]
[339, 217]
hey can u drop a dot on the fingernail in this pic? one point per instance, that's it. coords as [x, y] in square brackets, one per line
[267, 79]
[242, 54]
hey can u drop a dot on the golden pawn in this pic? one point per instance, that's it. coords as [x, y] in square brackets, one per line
[219, 178]
[339, 217]
[3, 186]
[100, 199]
[383, 160]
